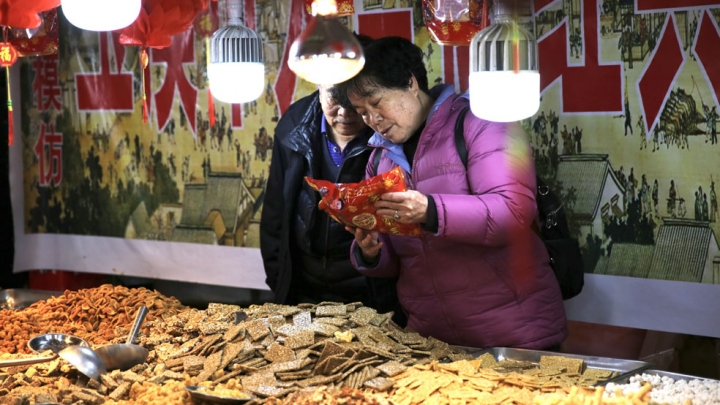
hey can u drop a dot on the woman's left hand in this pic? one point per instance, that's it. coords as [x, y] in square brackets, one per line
[408, 207]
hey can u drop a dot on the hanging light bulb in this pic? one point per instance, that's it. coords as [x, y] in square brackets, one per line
[236, 71]
[326, 52]
[101, 15]
[504, 77]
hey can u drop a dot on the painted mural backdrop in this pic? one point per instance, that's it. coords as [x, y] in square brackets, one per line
[627, 131]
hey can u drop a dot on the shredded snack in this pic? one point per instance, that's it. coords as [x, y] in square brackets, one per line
[352, 204]
[97, 315]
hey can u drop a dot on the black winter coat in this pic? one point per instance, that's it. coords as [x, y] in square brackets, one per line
[290, 205]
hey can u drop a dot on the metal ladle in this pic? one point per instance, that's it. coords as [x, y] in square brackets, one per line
[27, 361]
[83, 358]
[125, 355]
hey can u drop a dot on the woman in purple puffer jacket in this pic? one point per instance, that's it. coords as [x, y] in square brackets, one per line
[478, 276]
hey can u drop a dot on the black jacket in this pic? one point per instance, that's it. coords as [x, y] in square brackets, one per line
[290, 205]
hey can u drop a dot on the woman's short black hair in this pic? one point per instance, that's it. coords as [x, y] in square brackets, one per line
[390, 62]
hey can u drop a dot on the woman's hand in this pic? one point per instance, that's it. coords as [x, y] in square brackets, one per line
[368, 242]
[408, 207]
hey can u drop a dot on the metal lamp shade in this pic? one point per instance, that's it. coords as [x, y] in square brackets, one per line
[236, 70]
[504, 77]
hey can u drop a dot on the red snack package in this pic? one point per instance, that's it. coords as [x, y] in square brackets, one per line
[42, 40]
[352, 203]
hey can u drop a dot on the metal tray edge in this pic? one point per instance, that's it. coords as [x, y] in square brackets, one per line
[624, 379]
[638, 365]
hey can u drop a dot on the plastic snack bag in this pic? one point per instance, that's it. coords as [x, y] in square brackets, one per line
[42, 40]
[352, 204]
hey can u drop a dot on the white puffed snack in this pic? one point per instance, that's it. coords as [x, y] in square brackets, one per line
[671, 392]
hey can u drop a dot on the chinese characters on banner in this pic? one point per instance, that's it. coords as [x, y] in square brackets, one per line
[49, 146]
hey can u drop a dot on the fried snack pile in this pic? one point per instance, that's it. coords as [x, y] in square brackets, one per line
[281, 349]
[330, 353]
[97, 315]
[171, 392]
[352, 204]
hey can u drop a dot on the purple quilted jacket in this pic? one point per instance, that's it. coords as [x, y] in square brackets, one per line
[484, 280]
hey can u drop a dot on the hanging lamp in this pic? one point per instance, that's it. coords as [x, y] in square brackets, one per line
[326, 52]
[101, 15]
[236, 71]
[504, 78]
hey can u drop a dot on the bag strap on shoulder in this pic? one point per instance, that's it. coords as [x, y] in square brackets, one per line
[377, 154]
[460, 136]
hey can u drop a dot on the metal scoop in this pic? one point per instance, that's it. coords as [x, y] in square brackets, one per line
[70, 348]
[85, 360]
[125, 355]
[27, 361]
[55, 342]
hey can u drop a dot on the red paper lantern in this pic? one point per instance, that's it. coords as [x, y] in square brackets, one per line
[18, 14]
[207, 21]
[8, 54]
[158, 22]
[454, 22]
[24, 13]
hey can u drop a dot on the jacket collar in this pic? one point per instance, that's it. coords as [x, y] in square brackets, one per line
[300, 139]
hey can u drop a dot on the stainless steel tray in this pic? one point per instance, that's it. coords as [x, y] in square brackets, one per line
[621, 366]
[675, 376]
[20, 298]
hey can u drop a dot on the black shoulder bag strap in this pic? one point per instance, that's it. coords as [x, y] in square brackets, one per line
[376, 160]
[460, 137]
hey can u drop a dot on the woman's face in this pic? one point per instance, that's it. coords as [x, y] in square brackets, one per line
[393, 113]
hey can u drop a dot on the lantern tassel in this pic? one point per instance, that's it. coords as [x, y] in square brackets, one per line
[11, 125]
[144, 64]
[211, 108]
[211, 102]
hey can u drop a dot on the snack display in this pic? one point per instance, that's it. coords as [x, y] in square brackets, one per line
[326, 353]
[352, 204]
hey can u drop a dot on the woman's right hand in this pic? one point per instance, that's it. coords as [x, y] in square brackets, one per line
[367, 241]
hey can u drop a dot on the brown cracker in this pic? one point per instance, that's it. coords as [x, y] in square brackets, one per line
[303, 338]
[279, 353]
